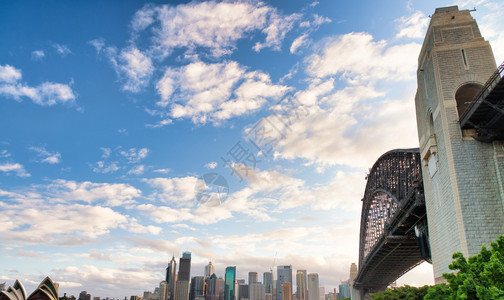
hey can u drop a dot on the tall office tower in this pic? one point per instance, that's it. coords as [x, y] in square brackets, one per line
[171, 278]
[185, 267]
[353, 274]
[197, 287]
[286, 291]
[163, 290]
[230, 281]
[147, 295]
[243, 291]
[462, 167]
[222, 288]
[184, 276]
[212, 288]
[268, 282]
[284, 274]
[256, 291]
[209, 270]
[313, 287]
[302, 288]
[253, 278]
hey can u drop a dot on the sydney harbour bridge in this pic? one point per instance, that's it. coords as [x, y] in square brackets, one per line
[425, 203]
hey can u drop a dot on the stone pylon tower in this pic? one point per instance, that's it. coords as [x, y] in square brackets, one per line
[462, 177]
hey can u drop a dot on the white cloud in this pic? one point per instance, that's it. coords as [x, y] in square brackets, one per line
[359, 59]
[179, 191]
[89, 192]
[132, 66]
[214, 92]
[133, 155]
[99, 44]
[413, 26]
[9, 74]
[63, 224]
[298, 42]
[62, 50]
[37, 54]
[106, 167]
[4, 154]
[163, 171]
[160, 124]
[46, 156]
[276, 31]
[137, 170]
[211, 165]
[213, 25]
[14, 167]
[46, 94]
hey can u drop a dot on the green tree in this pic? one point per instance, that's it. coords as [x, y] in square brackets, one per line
[479, 277]
[404, 292]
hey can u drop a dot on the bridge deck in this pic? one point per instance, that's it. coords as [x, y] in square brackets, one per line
[486, 112]
[397, 251]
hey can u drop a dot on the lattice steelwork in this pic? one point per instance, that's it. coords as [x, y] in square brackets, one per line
[381, 209]
[392, 178]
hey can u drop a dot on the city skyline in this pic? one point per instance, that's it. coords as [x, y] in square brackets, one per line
[132, 133]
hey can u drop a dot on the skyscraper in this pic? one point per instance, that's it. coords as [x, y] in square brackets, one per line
[197, 287]
[286, 291]
[253, 278]
[284, 274]
[171, 278]
[209, 270]
[313, 287]
[302, 288]
[268, 282]
[230, 280]
[257, 291]
[184, 276]
[212, 288]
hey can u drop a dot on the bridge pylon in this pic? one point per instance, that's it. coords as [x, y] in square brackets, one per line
[462, 174]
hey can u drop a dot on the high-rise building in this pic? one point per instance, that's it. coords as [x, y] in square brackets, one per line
[197, 287]
[212, 288]
[171, 278]
[182, 290]
[313, 287]
[284, 274]
[163, 290]
[322, 293]
[183, 278]
[268, 282]
[253, 277]
[256, 291]
[286, 291]
[209, 270]
[84, 296]
[243, 291]
[147, 295]
[302, 288]
[230, 280]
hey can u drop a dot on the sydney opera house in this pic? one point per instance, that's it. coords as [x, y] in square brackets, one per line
[47, 290]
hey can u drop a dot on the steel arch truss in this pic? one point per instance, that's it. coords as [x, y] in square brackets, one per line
[393, 176]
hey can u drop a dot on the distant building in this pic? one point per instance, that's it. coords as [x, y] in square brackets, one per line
[2, 286]
[84, 296]
[147, 295]
[197, 287]
[136, 298]
[183, 278]
[163, 290]
[96, 298]
[286, 291]
[171, 278]
[344, 289]
[243, 291]
[268, 282]
[212, 290]
[230, 280]
[284, 274]
[322, 293]
[257, 291]
[313, 287]
[209, 270]
[302, 288]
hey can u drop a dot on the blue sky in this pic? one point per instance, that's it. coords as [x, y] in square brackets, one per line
[111, 112]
